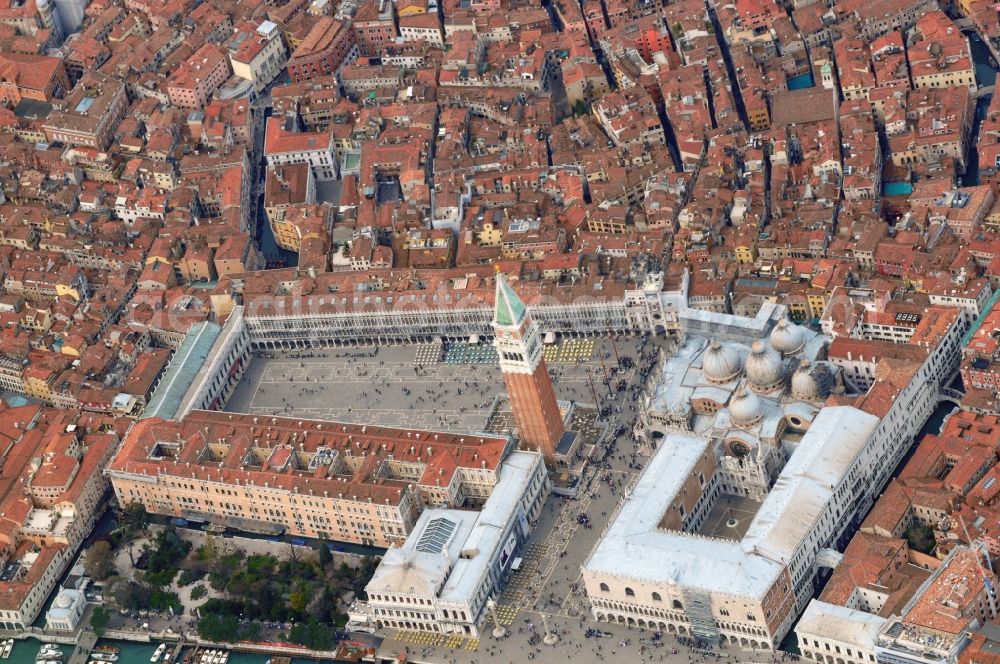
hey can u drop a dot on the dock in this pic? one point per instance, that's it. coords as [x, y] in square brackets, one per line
[81, 653]
[84, 641]
[175, 654]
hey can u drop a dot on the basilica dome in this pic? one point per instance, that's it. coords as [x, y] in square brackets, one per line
[763, 367]
[811, 381]
[721, 363]
[745, 408]
[787, 338]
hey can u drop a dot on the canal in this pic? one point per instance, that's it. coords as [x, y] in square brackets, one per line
[986, 75]
[26, 651]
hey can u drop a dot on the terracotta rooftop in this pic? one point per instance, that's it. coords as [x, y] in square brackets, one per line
[233, 448]
[951, 601]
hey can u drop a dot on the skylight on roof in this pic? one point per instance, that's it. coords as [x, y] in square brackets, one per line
[84, 105]
[436, 535]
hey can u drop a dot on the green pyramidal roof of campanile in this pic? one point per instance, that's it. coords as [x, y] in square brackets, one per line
[510, 310]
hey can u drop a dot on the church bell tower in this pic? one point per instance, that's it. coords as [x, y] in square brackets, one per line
[529, 388]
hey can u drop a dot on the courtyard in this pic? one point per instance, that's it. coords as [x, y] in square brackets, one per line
[730, 517]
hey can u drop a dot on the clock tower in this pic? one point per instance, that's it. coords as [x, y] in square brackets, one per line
[529, 388]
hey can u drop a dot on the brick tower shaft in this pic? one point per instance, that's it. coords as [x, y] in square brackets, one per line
[529, 387]
[536, 412]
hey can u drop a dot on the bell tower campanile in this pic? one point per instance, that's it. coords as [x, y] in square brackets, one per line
[529, 388]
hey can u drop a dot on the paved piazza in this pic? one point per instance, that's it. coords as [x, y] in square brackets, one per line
[398, 387]
[370, 390]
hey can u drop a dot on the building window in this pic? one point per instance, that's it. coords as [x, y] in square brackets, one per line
[677, 605]
[604, 588]
[629, 592]
[657, 598]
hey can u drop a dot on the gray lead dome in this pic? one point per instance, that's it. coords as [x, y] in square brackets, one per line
[745, 408]
[787, 338]
[763, 368]
[721, 363]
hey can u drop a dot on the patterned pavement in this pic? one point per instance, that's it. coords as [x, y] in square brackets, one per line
[570, 350]
[522, 587]
[423, 639]
[506, 614]
[400, 387]
[549, 579]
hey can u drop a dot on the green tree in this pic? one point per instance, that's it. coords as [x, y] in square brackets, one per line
[312, 634]
[299, 569]
[323, 607]
[325, 555]
[134, 519]
[209, 551]
[251, 631]
[220, 628]
[344, 572]
[189, 576]
[298, 599]
[365, 572]
[161, 578]
[161, 600]
[265, 588]
[99, 618]
[132, 596]
[271, 601]
[100, 560]
[921, 538]
[167, 552]
[261, 564]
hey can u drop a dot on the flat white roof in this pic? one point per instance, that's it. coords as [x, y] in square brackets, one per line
[839, 623]
[806, 484]
[731, 327]
[457, 572]
[468, 575]
[633, 547]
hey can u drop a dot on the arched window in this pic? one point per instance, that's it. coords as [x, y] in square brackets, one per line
[678, 605]
[604, 588]
[657, 598]
[629, 592]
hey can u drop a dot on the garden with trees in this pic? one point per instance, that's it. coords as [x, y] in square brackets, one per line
[261, 590]
[299, 597]
[156, 564]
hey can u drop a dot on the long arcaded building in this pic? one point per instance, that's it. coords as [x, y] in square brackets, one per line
[403, 306]
[345, 482]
